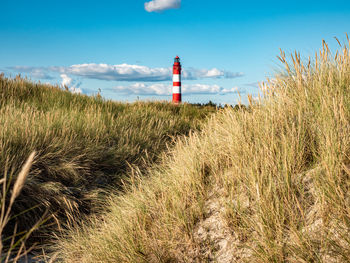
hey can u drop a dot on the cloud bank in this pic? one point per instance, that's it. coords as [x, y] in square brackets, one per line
[193, 74]
[161, 5]
[132, 73]
[160, 89]
[35, 72]
[122, 72]
[126, 72]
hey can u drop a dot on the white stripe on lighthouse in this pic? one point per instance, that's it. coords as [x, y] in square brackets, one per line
[176, 78]
[176, 89]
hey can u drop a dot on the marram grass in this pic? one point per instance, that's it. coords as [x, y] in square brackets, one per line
[84, 147]
[282, 170]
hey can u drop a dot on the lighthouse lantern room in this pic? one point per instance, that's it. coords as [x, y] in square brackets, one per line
[177, 81]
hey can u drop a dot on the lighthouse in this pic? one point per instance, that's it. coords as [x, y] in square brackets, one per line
[177, 81]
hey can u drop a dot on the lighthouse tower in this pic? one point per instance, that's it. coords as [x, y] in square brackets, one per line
[177, 81]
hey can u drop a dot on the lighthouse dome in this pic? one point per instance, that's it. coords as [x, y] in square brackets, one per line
[177, 59]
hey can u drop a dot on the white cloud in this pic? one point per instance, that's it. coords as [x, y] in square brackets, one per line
[201, 89]
[35, 72]
[193, 73]
[126, 72]
[207, 89]
[232, 90]
[71, 84]
[213, 73]
[161, 5]
[143, 89]
[165, 89]
[122, 72]
[66, 81]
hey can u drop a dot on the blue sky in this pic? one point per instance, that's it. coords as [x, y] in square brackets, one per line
[126, 48]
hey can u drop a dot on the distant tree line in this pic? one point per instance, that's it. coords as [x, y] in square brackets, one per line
[220, 106]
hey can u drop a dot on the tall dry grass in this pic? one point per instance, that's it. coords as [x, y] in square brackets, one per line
[13, 247]
[280, 170]
[85, 146]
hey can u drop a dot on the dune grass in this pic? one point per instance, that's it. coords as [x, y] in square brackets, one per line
[281, 171]
[16, 247]
[84, 147]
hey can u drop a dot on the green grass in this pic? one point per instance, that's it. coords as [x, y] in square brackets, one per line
[84, 147]
[281, 171]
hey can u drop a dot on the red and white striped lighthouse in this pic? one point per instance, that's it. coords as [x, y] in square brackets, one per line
[177, 81]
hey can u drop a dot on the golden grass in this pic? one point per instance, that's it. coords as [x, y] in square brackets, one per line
[84, 147]
[17, 239]
[282, 168]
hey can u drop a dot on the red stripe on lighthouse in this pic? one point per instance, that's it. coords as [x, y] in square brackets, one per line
[177, 81]
[176, 97]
